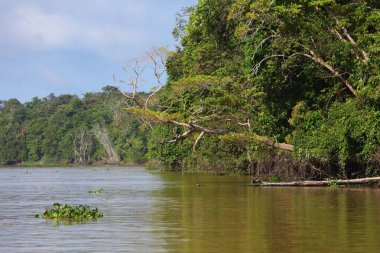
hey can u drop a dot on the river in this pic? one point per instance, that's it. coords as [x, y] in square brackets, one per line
[148, 211]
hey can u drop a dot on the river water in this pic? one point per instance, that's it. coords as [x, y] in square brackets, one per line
[167, 212]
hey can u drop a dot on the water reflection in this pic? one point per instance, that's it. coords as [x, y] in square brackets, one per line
[168, 212]
[227, 216]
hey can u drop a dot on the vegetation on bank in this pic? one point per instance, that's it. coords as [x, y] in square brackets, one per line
[285, 89]
[278, 89]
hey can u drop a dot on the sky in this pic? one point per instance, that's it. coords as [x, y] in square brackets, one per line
[77, 46]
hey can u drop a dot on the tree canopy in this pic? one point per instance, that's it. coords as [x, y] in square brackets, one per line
[66, 129]
[260, 82]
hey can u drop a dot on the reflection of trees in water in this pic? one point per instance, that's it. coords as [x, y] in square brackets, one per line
[233, 217]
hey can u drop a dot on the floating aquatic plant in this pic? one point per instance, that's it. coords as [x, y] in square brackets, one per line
[96, 191]
[333, 183]
[70, 212]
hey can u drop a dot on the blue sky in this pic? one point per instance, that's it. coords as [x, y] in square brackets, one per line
[76, 46]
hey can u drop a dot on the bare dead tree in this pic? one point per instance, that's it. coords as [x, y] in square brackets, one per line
[157, 58]
[81, 147]
[101, 134]
[154, 59]
[134, 72]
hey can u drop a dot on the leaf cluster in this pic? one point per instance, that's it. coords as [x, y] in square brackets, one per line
[70, 213]
[300, 72]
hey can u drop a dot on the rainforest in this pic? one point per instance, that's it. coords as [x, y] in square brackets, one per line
[282, 90]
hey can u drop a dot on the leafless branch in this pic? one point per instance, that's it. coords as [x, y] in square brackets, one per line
[260, 46]
[363, 55]
[81, 147]
[334, 71]
[134, 74]
[314, 56]
[248, 124]
[157, 58]
[258, 65]
[180, 137]
[197, 140]
[101, 134]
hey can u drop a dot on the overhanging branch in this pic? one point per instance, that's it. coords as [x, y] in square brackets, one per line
[159, 117]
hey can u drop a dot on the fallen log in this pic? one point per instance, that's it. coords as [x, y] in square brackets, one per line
[368, 181]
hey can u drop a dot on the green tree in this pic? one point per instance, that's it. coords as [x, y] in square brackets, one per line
[248, 69]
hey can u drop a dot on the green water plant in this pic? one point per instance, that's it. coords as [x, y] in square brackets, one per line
[100, 190]
[333, 183]
[70, 213]
[274, 179]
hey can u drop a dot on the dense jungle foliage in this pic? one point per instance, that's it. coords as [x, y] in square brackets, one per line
[281, 88]
[70, 130]
[284, 89]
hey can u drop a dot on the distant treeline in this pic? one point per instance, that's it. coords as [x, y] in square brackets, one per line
[66, 129]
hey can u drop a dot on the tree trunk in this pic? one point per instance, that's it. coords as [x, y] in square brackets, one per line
[102, 134]
[374, 181]
[81, 147]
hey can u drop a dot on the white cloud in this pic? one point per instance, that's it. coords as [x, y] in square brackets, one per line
[73, 46]
[32, 28]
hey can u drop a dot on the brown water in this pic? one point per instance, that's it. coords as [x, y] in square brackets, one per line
[166, 212]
